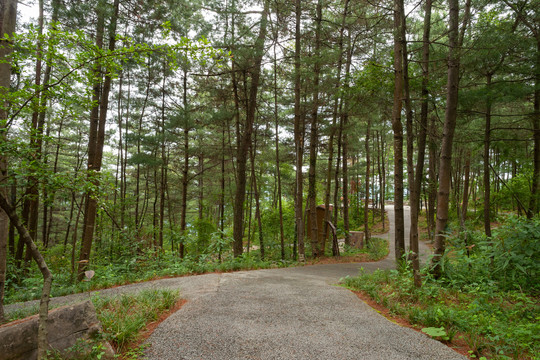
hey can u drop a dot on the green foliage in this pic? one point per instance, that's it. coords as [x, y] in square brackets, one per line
[437, 333]
[487, 292]
[124, 317]
[202, 235]
[377, 249]
[509, 260]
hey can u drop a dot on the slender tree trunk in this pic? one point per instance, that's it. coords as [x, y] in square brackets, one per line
[313, 142]
[257, 201]
[11, 243]
[298, 139]
[8, 18]
[42, 340]
[185, 168]
[222, 194]
[278, 171]
[450, 120]
[466, 185]
[368, 169]
[138, 211]
[432, 176]
[75, 235]
[345, 144]
[534, 203]
[245, 138]
[398, 131]
[164, 165]
[380, 177]
[327, 210]
[98, 119]
[416, 187]
[487, 142]
[201, 185]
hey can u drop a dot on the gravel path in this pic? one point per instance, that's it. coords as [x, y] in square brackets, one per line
[291, 313]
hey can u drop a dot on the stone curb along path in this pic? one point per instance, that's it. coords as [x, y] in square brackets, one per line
[290, 313]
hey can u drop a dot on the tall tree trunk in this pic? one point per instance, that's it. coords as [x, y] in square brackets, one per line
[139, 212]
[278, 170]
[380, 177]
[534, 204]
[466, 185]
[345, 143]
[257, 201]
[432, 177]
[30, 211]
[416, 187]
[98, 119]
[298, 139]
[8, 18]
[163, 175]
[450, 120]
[397, 127]
[368, 169]
[185, 168]
[487, 142]
[313, 141]
[327, 210]
[245, 138]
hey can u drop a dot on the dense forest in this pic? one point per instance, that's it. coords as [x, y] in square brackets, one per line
[178, 132]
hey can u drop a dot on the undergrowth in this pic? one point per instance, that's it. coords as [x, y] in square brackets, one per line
[376, 249]
[487, 294]
[152, 265]
[123, 319]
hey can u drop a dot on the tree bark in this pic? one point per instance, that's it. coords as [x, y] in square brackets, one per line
[345, 143]
[416, 188]
[98, 119]
[257, 201]
[245, 138]
[450, 120]
[380, 176]
[466, 185]
[43, 344]
[298, 140]
[278, 170]
[313, 142]
[487, 142]
[397, 127]
[185, 168]
[327, 210]
[366, 200]
[8, 18]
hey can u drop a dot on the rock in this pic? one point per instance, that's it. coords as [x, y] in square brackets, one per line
[66, 325]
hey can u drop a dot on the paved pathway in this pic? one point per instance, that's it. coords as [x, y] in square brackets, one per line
[292, 313]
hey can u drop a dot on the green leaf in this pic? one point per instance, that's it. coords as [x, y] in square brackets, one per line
[435, 332]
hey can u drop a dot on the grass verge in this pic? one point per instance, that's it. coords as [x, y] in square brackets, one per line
[127, 320]
[494, 325]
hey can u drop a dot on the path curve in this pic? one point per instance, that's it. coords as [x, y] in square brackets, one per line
[290, 313]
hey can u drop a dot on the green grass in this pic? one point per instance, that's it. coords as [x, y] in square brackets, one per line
[498, 324]
[125, 316]
[123, 319]
[153, 265]
[377, 249]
